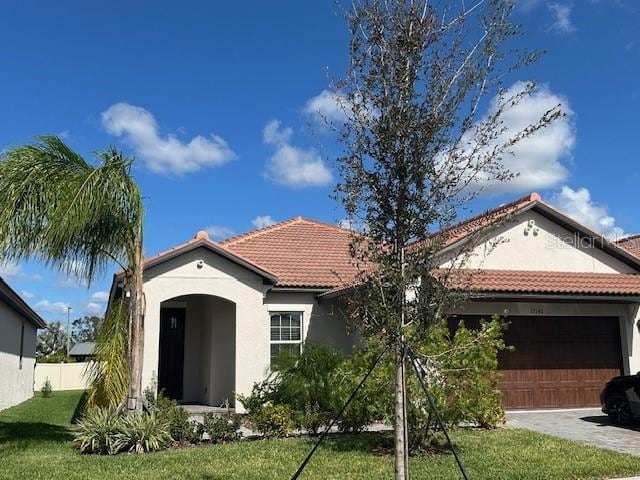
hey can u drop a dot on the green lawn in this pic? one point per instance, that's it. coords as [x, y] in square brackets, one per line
[35, 443]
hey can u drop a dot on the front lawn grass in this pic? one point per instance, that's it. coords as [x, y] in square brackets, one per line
[35, 444]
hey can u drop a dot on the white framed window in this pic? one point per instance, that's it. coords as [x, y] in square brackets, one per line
[286, 334]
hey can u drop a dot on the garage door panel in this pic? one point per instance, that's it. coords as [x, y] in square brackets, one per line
[558, 361]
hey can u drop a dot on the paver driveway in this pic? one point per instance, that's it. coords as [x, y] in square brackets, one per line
[583, 425]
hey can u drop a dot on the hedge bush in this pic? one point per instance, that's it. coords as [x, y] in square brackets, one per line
[273, 421]
[222, 428]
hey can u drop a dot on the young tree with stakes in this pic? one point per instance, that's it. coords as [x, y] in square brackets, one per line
[79, 218]
[416, 150]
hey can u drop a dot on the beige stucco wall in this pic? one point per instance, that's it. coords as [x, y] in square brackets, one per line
[321, 323]
[226, 338]
[16, 382]
[209, 355]
[542, 246]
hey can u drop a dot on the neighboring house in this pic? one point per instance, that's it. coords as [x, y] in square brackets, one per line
[18, 338]
[82, 351]
[217, 313]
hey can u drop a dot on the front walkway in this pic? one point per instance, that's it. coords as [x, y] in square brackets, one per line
[589, 426]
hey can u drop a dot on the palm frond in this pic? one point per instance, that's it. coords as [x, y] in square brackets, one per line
[109, 373]
[59, 209]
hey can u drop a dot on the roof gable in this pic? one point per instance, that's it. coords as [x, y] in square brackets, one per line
[13, 300]
[201, 240]
[483, 226]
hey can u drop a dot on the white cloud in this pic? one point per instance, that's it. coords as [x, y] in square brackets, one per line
[290, 165]
[95, 308]
[98, 303]
[262, 221]
[163, 154]
[578, 205]
[536, 159]
[100, 297]
[561, 19]
[219, 232]
[46, 306]
[528, 5]
[26, 294]
[327, 105]
[10, 269]
[74, 275]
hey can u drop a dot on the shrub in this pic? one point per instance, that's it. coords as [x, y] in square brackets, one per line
[312, 419]
[176, 418]
[464, 383]
[96, 432]
[140, 432]
[58, 357]
[46, 388]
[273, 421]
[374, 399]
[261, 394]
[307, 379]
[222, 428]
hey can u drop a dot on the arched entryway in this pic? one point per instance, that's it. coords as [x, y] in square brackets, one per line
[196, 362]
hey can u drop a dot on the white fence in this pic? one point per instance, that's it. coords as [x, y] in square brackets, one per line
[62, 376]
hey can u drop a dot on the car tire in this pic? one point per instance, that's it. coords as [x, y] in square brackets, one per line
[619, 410]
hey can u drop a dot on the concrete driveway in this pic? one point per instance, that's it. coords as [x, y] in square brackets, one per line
[589, 426]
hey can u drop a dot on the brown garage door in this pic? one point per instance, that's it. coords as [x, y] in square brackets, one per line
[559, 361]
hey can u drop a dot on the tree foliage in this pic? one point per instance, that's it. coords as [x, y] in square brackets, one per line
[59, 209]
[52, 340]
[418, 147]
[79, 217]
[110, 373]
[85, 329]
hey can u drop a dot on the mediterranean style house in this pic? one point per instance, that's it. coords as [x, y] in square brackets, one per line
[218, 313]
[18, 337]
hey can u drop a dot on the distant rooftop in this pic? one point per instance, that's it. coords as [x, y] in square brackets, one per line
[82, 349]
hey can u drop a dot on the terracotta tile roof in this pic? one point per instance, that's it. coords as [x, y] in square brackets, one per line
[630, 244]
[300, 252]
[527, 281]
[306, 253]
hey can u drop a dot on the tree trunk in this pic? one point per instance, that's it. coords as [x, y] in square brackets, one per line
[136, 335]
[400, 419]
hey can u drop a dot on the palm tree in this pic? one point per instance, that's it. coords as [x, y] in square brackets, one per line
[77, 217]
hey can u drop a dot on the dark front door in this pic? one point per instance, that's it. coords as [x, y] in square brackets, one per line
[171, 363]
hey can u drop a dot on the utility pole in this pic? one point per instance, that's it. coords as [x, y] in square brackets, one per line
[68, 329]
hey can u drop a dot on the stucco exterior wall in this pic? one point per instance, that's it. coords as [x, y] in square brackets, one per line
[541, 245]
[321, 322]
[16, 381]
[227, 329]
[209, 353]
[202, 272]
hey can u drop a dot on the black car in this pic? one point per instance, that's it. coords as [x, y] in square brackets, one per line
[620, 399]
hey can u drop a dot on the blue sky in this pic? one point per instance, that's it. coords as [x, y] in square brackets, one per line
[217, 101]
